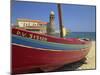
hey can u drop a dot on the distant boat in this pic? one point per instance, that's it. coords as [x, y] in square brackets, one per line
[32, 51]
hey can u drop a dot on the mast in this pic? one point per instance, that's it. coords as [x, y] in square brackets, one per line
[60, 20]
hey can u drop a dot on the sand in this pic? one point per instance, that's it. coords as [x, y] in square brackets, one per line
[90, 58]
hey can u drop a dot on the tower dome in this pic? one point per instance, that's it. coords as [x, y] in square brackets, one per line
[52, 13]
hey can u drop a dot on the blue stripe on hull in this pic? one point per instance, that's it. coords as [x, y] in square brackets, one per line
[45, 44]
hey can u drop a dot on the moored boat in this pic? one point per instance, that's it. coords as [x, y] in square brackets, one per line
[32, 53]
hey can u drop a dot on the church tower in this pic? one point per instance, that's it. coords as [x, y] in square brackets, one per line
[50, 26]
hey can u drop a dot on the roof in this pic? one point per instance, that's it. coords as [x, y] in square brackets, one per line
[29, 20]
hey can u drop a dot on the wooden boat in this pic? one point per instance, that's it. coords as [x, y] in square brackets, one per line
[37, 51]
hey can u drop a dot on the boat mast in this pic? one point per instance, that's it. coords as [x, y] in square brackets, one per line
[60, 20]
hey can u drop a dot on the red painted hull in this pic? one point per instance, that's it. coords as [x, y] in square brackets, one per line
[37, 36]
[27, 58]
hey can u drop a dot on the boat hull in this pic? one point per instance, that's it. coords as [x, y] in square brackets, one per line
[46, 45]
[26, 58]
[42, 37]
[32, 51]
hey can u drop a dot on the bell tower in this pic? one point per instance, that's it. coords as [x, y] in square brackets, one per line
[50, 28]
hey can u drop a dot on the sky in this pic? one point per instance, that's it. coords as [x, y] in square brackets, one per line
[76, 18]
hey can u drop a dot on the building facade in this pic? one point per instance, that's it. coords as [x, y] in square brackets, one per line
[37, 25]
[32, 25]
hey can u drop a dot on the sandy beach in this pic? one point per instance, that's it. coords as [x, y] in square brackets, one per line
[90, 58]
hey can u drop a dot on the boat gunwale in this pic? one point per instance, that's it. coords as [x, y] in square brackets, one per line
[47, 36]
[49, 49]
[52, 42]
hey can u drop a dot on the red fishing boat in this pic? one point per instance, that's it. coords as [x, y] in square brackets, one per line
[32, 51]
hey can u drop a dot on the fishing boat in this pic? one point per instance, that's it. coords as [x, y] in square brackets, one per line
[44, 52]
[34, 51]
